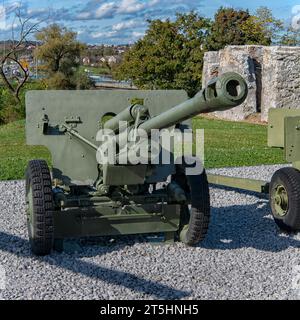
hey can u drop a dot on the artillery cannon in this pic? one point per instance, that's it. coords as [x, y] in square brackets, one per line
[84, 196]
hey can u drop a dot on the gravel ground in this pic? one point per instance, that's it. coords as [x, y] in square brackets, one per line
[244, 256]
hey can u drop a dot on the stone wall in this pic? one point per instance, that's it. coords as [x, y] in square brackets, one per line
[281, 79]
[272, 75]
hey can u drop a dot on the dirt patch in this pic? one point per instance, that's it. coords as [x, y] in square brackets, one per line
[253, 118]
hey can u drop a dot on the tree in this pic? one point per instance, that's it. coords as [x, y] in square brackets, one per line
[108, 51]
[170, 56]
[60, 53]
[227, 28]
[194, 30]
[254, 32]
[272, 27]
[15, 49]
[238, 27]
[291, 37]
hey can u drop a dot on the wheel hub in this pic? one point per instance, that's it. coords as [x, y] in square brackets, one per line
[281, 200]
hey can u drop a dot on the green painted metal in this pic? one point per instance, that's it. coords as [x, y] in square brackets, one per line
[292, 138]
[93, 199]
[296, 165]
[74, 161]
[223, 93]
[281, 200]
[170, 237]
[239, 183]
[48, 113]
[276, 126]
[101, 221]
[124, 175]
[78, 136]
[128, 115]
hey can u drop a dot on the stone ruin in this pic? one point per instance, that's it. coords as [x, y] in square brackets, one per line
[272, 74]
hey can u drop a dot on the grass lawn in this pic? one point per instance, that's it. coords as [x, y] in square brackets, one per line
[226, 144]
[14, 153]
[234, 144]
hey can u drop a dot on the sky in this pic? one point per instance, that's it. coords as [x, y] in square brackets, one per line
[122, 21]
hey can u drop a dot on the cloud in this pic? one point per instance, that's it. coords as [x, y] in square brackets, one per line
[104, 35]
[125, 25]
[102, 20]
[106, 10]
[94, 10]
[112, 35]
[83, 15]
[130, 6]
[37, 11]
[296, 9]
[136, 34]
[11, 7]
[9, 27]
[131, 16]
[97, 10]
[296, 18]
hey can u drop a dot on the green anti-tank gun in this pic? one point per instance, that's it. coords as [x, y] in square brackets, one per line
[82, 197]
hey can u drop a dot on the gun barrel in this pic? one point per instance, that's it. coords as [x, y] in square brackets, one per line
[128, 115]
[222, 93]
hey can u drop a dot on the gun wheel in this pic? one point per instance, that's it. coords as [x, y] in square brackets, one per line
[285, 199]
[39, 207]
[194, 219]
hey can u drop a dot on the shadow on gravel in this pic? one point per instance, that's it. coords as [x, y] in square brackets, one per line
[246, 226]
[20, 247]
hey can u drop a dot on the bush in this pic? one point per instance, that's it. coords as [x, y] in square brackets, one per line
[10, 110]
[82, 81]
[59, 81]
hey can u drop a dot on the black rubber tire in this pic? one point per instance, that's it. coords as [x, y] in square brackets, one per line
[194, 221]
[40, 229]
[290, 179]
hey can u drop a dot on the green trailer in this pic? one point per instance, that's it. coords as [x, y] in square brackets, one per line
[284, 187]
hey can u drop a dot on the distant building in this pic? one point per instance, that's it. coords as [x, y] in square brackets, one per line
[31, 47]
[112, 59]
[86, 61]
